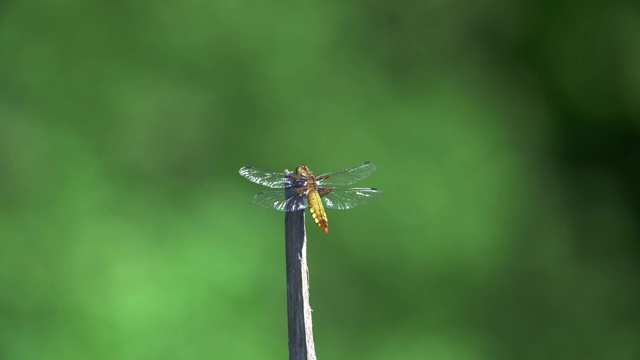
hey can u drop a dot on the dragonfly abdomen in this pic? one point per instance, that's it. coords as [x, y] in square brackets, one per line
[317, 210]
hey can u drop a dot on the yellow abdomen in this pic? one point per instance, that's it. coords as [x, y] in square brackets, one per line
[317, 210]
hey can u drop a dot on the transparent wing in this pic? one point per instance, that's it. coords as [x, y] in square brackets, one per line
[270, 179]
[275, 199]
[344, 199]
[347, 176]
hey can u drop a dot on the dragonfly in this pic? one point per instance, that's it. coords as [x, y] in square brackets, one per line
[303, 189]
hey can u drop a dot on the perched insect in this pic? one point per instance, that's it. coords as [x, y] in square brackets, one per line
[303, 189]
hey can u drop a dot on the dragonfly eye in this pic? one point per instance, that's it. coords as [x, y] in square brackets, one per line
[302, 170]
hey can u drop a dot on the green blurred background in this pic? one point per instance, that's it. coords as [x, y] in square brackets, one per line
[507, 139]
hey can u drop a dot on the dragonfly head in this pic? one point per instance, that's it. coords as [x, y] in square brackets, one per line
[303, 170]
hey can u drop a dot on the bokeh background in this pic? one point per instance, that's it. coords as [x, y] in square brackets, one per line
[507, 139]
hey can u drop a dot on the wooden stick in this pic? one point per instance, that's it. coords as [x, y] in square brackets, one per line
[301, 345]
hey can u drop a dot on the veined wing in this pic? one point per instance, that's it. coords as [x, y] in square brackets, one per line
[343, 199]
[270, 179]
[275, 199]
[347, 176]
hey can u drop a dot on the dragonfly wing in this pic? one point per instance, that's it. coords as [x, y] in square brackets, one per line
[277, 200]
[270, 179]
[347, 176]
[343, 199]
